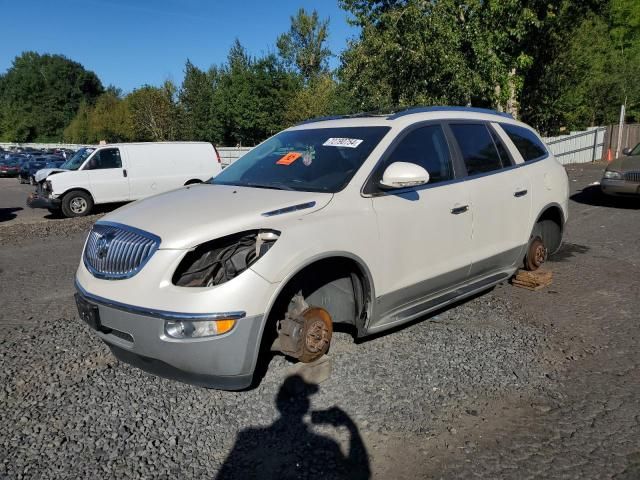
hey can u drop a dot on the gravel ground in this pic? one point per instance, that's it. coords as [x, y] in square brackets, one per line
[509, 384]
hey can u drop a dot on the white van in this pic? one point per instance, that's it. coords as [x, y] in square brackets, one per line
[122, 172]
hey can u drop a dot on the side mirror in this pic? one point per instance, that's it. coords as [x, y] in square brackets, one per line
[403, 175]
[626, 151]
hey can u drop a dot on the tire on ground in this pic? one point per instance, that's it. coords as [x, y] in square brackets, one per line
[77, 204]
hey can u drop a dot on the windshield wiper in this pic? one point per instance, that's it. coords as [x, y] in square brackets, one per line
[272, 186]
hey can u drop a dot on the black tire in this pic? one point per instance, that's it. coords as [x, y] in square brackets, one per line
[77, 204]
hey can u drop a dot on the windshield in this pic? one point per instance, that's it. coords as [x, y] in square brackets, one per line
[636, 150]
[314, 160]
[78, 159]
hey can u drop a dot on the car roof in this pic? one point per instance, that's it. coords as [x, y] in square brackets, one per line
[409, 116]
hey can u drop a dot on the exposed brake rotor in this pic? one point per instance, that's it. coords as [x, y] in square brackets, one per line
[305, 332]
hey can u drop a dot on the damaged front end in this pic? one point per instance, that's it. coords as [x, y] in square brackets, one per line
[218, 261]
[43, 197]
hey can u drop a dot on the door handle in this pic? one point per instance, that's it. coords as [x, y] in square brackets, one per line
[520, 193]
[460, 209]
[124, 172]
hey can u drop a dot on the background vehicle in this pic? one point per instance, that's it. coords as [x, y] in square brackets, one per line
[29, 169]
[121, 173]
[622, 176]
[9, 168]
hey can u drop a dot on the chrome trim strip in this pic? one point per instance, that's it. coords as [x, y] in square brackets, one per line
[292, 208]
[163, 314]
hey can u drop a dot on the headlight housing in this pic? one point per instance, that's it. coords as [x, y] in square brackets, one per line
[612, 175]
[218, 261]
[197, 329]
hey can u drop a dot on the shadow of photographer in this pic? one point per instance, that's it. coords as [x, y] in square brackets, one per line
[290, 449]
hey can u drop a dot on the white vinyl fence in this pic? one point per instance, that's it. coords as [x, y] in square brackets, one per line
[578, 147]
[228, 155]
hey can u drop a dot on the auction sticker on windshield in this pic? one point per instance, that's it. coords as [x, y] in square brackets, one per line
[342, 142]
[289, 158]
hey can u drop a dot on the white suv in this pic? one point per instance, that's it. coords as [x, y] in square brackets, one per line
[370, 221]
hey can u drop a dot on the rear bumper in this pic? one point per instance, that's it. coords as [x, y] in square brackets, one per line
[37, 201]
[619, 187]
[225, 362]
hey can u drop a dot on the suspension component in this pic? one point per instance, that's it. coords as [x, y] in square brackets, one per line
[305, 332]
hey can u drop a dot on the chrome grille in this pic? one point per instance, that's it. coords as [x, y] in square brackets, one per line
[115, 251]
[632, 177]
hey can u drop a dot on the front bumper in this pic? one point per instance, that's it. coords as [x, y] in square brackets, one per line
[619, 187]
[138, 337]
[35, 200]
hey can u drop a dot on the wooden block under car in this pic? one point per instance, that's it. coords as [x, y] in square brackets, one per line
[535, 280]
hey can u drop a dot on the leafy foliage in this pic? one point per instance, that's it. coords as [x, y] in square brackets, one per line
[304, 45]
[40, 94]
[562, 64]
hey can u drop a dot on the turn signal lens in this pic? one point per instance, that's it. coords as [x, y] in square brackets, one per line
[199, 329]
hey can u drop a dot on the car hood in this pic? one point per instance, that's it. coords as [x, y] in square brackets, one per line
[189, 216]
[45, 172]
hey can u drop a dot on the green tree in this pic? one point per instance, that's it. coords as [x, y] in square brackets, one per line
[78, 129]
[304, 45]
[321, 97]
[587, 61]
[251, 96]
[154, 113]
[40, 94]
[196, 98]
[110, 119]
[439, 52]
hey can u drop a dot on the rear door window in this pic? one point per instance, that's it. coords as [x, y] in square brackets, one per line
[478, 149]
[527, 142]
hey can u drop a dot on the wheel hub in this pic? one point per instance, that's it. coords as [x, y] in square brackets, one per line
[536, 255]
[305, 332]
[78, 205]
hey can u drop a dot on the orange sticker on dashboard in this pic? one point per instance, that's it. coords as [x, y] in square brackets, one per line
[289, 158]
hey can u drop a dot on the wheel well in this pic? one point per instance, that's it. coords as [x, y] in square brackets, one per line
[193, 181]
[337, 284]
[550, 226]
[77, 190]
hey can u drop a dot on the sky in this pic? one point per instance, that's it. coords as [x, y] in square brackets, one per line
[131, 43]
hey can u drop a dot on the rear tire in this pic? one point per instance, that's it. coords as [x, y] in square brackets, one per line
[77, 204]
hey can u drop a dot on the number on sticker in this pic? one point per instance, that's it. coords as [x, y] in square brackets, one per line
[342, 142]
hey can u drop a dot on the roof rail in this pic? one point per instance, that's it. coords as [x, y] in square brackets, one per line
[413, 110]
[338, 117]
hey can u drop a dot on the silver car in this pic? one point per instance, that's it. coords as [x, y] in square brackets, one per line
[622, 176]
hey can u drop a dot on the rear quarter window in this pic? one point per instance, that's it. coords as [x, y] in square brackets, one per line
[527, 142]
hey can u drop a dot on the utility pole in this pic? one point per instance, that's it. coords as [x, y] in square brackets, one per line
[621, 128]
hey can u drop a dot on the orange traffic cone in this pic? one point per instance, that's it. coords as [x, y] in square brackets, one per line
[609, 155]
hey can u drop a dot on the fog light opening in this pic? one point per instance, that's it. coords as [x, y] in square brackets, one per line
[198, 329]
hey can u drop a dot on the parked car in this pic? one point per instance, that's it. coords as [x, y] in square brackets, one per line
[622, 175]
[9, 168]
[369, 221]
[54, 163]
[29, 169]
[121, 173]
